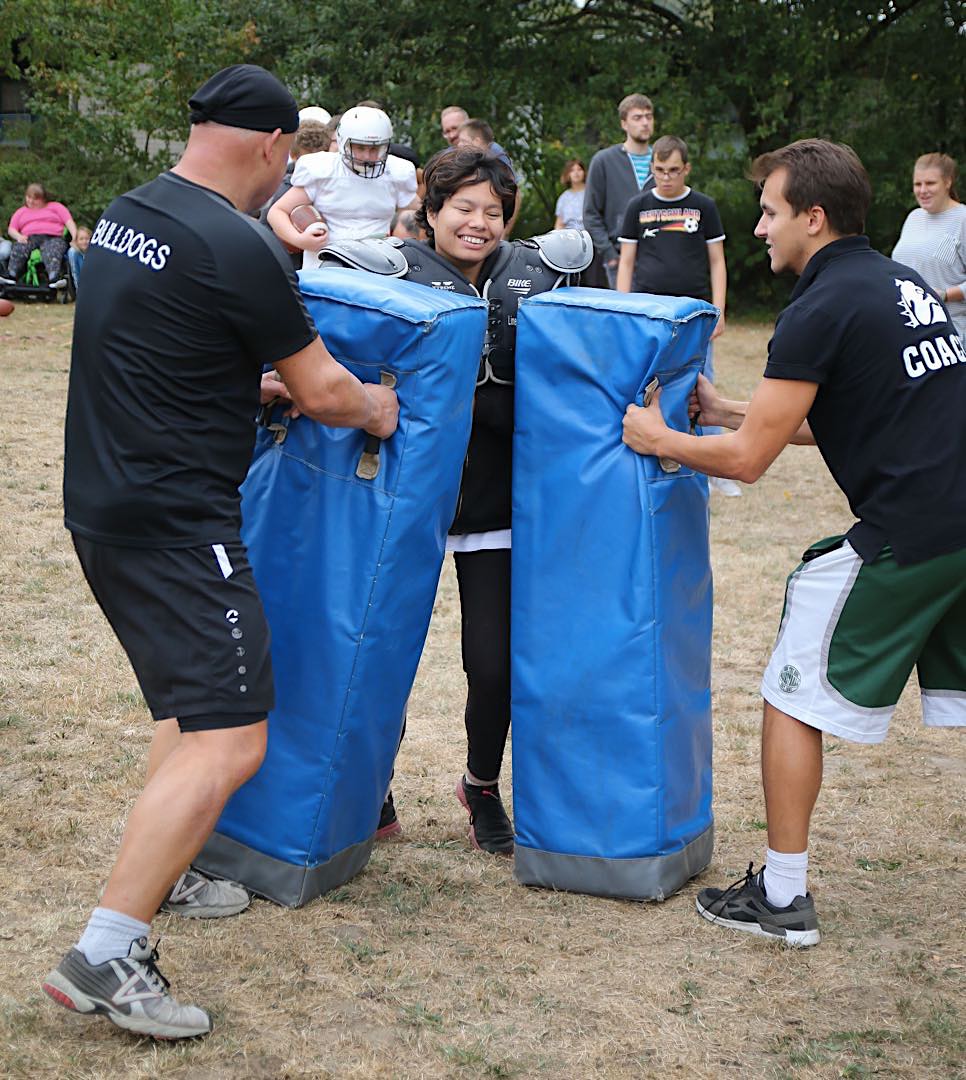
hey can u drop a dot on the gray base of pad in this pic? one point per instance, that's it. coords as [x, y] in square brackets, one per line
[283, 882]
[655, 877]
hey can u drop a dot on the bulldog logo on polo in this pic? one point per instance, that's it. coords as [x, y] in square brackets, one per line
[789, 679]
[918, 307]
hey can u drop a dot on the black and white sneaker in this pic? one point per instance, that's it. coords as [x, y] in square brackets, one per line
[195, 896]
[490, 828]
[743, 906]
[129, 991]
[60, 283]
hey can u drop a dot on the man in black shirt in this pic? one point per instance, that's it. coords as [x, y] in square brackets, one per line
[866, 363]
[189, 299]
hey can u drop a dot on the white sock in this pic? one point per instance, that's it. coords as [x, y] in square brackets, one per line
[785, 876]
[109, 934]
[475, 781]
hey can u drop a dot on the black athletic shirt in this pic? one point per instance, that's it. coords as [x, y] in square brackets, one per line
[184, 300]
[889, 413]
[672, 238]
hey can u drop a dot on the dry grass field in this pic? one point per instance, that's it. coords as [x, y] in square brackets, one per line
[433, 963]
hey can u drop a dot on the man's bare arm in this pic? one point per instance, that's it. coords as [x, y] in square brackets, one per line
[625, 268]
[708, 407]
[769, 422]
[328, 392]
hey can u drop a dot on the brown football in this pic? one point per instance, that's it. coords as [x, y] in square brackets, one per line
[5, 307]
[304, 215]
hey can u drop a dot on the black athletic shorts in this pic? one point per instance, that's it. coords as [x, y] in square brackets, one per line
[192, 624]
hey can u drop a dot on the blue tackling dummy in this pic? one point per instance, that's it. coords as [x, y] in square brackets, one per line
[346, 542]
[611, 601]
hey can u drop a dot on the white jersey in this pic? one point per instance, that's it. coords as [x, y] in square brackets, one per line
[353, 207]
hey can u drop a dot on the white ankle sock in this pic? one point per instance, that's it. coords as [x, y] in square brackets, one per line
[475, 781]
[109, 934]
[785, 876]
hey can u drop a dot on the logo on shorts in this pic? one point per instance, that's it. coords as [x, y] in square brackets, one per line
[789, 679]
[918, 307]
[231, 615]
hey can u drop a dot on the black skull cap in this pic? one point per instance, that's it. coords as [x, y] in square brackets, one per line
[245, 96]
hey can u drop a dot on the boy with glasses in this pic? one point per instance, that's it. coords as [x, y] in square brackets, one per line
[672, 244]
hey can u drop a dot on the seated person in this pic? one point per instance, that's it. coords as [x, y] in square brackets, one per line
[357, 190]
[77, 251]
[39, 223]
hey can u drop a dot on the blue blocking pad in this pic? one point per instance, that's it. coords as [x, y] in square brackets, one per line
[611, 601]
[347, 568]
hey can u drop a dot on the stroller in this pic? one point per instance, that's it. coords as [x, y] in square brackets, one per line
[34, 284]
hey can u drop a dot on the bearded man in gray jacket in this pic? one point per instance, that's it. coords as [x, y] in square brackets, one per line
[616, 175]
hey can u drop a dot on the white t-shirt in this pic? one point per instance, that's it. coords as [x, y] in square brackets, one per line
[353, 206]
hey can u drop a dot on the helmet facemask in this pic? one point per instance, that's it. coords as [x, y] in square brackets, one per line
[365, 166]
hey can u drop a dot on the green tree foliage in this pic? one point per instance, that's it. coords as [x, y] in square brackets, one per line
[109, 81]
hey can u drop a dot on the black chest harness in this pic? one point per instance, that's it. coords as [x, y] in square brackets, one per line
[516, 270]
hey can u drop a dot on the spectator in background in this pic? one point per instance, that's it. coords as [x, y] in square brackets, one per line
[672, 244]
[356, 191]
[39, 223]
[77, 251]
[933, 237]
[570, 205]
[615, 176]
[450, 121]
[478, 135]
[405, 226]
[569, 214]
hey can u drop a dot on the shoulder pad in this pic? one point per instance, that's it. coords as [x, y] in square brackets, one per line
[376, 256]
[566, 250]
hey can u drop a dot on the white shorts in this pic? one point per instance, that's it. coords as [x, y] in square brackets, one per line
[852, 632]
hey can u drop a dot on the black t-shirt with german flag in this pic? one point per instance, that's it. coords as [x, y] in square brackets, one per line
[672, 237]
[184, 300]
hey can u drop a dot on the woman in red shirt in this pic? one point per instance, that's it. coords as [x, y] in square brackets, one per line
[39, 223]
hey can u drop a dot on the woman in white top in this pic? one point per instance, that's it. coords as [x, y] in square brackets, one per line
[570, 205]
[933, 238]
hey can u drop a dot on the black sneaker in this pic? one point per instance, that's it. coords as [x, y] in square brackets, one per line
[129, 991]
[743, 906]
[388, 822]
[490, 828]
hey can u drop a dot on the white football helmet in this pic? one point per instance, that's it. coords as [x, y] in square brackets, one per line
[314, 112]
[360, 129]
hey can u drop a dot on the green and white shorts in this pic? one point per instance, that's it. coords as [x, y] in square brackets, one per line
[851, 633]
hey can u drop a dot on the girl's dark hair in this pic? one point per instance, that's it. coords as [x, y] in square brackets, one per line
[565, 174]
[452, 169]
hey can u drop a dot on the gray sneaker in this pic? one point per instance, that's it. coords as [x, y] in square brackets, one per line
[743, 906]
[197, 897]
[129, 991]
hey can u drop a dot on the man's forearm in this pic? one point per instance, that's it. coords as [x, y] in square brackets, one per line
[342, 402]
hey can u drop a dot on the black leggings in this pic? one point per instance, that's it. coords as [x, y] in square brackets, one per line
[484, 585]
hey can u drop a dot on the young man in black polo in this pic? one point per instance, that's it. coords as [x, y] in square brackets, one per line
[188, 297]
[866, 363]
